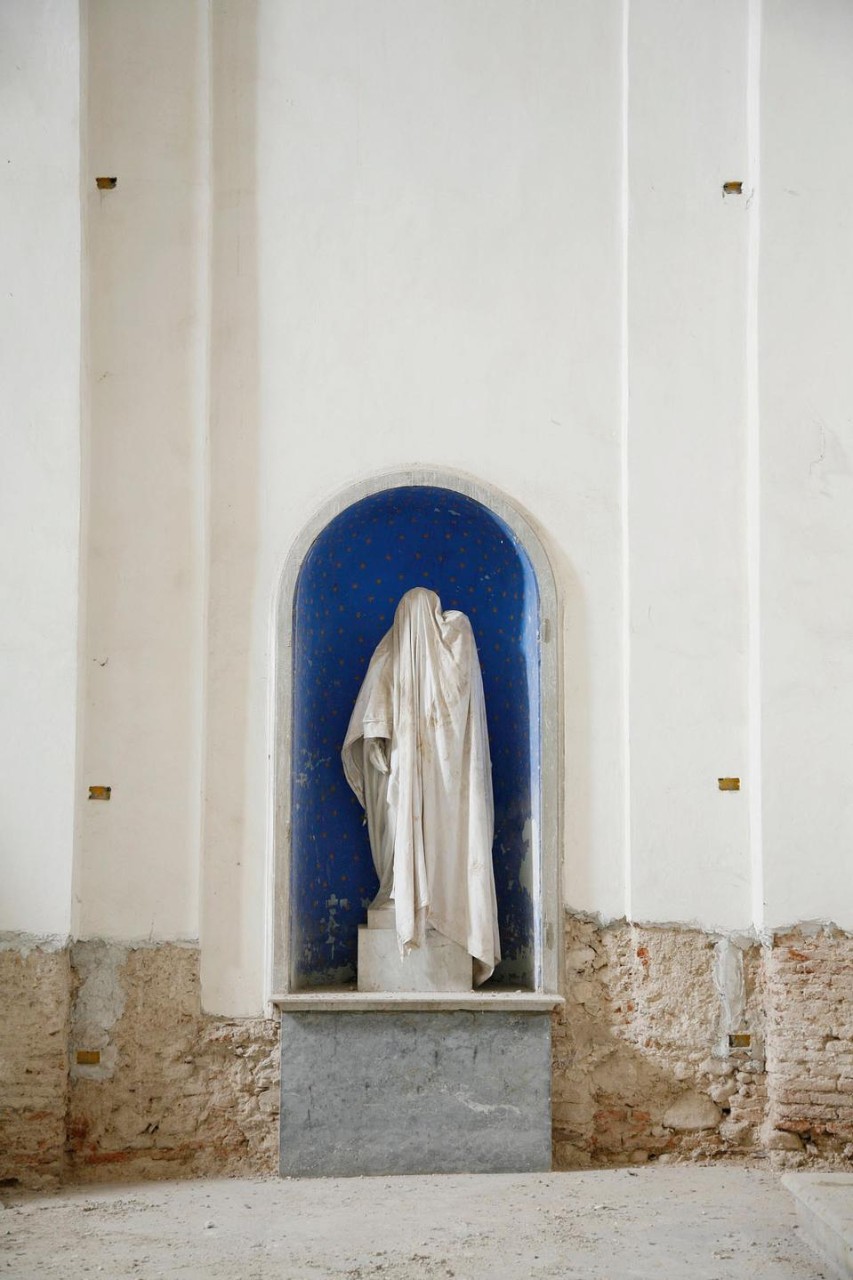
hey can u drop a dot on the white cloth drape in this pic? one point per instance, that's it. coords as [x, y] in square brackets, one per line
[431, 815]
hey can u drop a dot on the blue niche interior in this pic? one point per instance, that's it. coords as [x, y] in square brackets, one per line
[348, 589]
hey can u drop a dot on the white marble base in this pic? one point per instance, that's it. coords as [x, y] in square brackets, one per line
[825, 1210]
[382, 917]
[439, 965]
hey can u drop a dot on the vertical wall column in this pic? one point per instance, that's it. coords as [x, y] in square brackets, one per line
[806, 394]
[147, 298]
[40, 328]
[687, 242]
[235, 895]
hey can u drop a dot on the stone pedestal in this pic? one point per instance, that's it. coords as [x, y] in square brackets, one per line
[439, 965]
[395, 1092]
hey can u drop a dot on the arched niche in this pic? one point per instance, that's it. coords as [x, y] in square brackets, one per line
[338, 593]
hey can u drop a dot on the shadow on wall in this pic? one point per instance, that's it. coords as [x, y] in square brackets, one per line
[234, 475]
[348, 589]
[640, 1071]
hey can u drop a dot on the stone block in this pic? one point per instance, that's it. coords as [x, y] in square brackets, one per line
[692, 1111]
[825, 1211]
[383, 917]
[387, 1093]
[439, 965]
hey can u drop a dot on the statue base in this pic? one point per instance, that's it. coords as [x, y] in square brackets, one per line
[439, 965]
[427, 1092]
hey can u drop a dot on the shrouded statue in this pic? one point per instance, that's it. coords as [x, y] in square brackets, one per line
[416, 754]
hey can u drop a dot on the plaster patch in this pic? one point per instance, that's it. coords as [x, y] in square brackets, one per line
[25, 944]
[729, 981]
[98, 1004]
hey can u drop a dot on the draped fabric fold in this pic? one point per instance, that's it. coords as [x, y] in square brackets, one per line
[416, 754]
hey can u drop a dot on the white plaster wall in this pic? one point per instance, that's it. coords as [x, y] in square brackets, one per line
[146, 280]
[437, 231]
[235, 888]
[806, 384]
[686, 440]
[40, 470]
[355, 236]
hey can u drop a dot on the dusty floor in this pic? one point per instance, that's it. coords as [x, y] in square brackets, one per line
[702, 1223]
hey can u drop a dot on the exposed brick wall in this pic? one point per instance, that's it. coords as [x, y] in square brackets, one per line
[180, 1092]
[644, 1064]
[810, 1041]
[34, 1008]
[640, 1071]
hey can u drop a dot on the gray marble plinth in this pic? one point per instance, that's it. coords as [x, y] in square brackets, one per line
[384, 1093]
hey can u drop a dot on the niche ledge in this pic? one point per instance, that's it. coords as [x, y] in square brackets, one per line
[346, 999]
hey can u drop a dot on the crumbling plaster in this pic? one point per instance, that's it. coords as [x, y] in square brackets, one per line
[639, 1071]
[650, 1057]
[35, 996]
[176, 1091]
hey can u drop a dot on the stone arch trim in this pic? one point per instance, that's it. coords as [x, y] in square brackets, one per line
[550, 719]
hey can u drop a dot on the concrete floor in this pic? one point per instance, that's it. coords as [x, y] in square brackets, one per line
[678, 1221]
